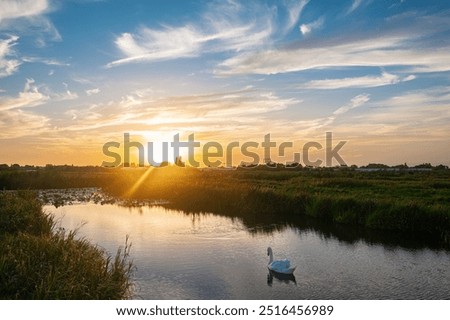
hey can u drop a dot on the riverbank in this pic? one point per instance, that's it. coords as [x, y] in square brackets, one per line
[40, 261]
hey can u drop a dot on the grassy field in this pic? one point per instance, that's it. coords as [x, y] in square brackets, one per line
[40, 261]
[413, 203]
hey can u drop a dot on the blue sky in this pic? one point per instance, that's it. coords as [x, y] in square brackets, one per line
[76, 74]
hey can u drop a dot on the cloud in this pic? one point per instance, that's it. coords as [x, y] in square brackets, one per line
[405, 40]
[406, 118]
[8, 65]
[409, 78]
[394, 50]
[29, 97]
[357, 82]
[23, 17]
[15, 122]
[307, 28]
[82, 80]
[154, 45]
[18, 123]
[356, 102]
[67, 95]
[13, 9]
[294, 11]
[91, 92]
[316, 127]
[220, 29]
[402, 126]
[46, 61]
[27, 17]
[214, 114]
[354, 6]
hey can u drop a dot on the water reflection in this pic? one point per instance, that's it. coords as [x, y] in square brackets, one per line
[280, 277]
[256, 223]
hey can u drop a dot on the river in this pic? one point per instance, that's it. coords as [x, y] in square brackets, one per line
[207, 256]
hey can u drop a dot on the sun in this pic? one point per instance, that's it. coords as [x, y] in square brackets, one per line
[158, 147]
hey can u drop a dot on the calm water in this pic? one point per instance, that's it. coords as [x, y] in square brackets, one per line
[185, 256]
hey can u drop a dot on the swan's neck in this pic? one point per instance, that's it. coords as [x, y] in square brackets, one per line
[270, 257]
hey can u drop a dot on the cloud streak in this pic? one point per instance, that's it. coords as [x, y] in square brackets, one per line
[91, 92]
[354, 6]
[357, 82]
[356, 102]
[46, 61]
[220, 30]
[374, 52]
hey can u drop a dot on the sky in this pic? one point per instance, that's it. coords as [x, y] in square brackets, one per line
[77, 74]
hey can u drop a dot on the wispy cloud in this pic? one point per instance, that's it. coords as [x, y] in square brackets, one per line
[91, 92]
[373, 52]
[295, 9]
[29, 97]
[357, 82]
[13, 9]
[33, 95]
[8, 64]
[154, 45]
[27, 17]
[15, 122]
[67, 95]
[315, 128]
[402, 40]
[356, 102]
[308, 27]
[18, 123]
[354, 6]
[219, 30]
[23, 17]
[46, 61]
[214, 114]
[406, 118]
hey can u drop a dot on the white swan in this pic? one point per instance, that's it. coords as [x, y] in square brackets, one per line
[280, 266]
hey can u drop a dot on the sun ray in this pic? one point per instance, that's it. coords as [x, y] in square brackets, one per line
[139, 182]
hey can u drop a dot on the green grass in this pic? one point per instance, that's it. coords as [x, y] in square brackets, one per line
[39, 261]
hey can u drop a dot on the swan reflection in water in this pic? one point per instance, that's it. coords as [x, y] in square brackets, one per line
[281, 277]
